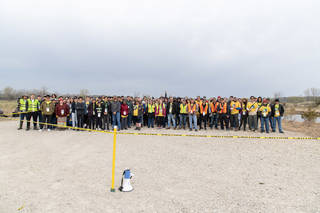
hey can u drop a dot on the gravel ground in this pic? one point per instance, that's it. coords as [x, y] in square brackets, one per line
[70, 171]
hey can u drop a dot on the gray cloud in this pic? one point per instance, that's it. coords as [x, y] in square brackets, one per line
[209, 47]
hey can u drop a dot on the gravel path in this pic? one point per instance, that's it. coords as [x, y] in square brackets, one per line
[70, 171]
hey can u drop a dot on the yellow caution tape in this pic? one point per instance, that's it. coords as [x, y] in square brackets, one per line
[175, 135]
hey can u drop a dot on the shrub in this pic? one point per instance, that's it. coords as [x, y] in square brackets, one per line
[310, 115]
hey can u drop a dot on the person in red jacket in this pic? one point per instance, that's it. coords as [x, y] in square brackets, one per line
[62, 111]
[124, 111]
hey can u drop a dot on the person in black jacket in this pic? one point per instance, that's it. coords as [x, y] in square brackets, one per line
[91, 114]
[277, 111]
[81, 109]
[171, 112]
[99, 109]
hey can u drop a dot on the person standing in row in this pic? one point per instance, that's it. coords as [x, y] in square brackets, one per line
[74, 118]
[204, 108]
[62, 111]
[234, 108]
[124, 111]
[33, 109]
[81, 110]
[222, 111]
[244, 114]
[277, 111]
[23, 109]
[183, 114]
[252, 108]
[192, 110]
[171, 111]
[160, 113]
[47, 108]
[264, 117]
[115, 110]
[151, 113]
[98, 114]
[91, 115]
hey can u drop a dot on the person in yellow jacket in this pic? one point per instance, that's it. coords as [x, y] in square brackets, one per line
[151, 113]
[33, 109]
[23, 109]
[235, 107]
[183, 112]
[252, 108]
[265, 114]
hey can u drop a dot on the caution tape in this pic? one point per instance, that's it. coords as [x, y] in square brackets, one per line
[170, 134]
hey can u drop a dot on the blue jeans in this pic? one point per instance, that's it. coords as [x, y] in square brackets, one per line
[193, 117]
[275, 121]
[116, 120]
[183, 119]
[213, 120]
[129, 119]
[171, 118]
[264, 122]
[150, 120]
[22, 116]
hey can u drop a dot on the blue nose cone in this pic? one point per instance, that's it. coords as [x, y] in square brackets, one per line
[127, 174]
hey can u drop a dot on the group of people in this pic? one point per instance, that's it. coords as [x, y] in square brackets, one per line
[103, 112]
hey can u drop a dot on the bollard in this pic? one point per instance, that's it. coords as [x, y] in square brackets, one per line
[114, 157]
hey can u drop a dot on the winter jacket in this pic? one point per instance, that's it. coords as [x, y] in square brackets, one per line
[81, 108]
[115, 106]
[130, 106]
[281, 110]
[99, 110]
[47, 108]
[91, 108]
[124, 110]
[174, 108]
[62, 110]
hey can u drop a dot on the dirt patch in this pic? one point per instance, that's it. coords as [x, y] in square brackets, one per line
[309, 129]
[70, 171]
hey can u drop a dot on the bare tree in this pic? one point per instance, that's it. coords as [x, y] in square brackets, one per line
[315, 92]
[9, 93]
[277, 95]
[43, 91]
[84, 92]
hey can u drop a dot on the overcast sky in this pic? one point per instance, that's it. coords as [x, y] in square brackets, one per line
[187, 47]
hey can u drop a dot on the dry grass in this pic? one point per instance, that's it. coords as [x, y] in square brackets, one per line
[8, 106]
[309, 129]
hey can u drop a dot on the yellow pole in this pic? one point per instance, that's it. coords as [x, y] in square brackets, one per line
[114, 157]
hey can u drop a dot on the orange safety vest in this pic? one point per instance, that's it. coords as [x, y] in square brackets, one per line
[205, 109]
[214, 107]
[223, 109]
[193, 108]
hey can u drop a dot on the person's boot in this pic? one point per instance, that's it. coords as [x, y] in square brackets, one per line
[20, 127]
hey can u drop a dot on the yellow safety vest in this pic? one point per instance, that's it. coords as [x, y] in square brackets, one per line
[183, 109]
[135, 110]
[33, 106]
[23, 104]
[151, 108]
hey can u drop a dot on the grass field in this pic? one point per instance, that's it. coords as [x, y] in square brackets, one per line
[8, 106]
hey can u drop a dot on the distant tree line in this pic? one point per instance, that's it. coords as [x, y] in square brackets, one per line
[10, 93]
